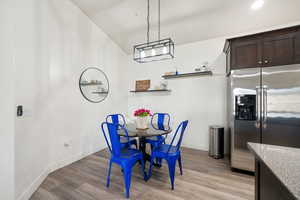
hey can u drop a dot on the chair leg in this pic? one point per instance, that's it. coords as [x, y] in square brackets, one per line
[159, 161]
[108, 175]
[172, 166]
[127, 181]
[143, 169]
[180, 164]
[150, 168]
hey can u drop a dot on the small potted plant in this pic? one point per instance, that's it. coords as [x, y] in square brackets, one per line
[142, 116]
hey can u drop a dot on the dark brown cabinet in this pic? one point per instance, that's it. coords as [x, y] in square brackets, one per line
[278, 50]
[279, 47]
[268, 186]
[245, 54]
[297, 47]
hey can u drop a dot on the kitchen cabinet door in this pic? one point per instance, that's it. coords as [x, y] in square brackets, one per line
[297, 48]
[278, 50]
[268, 186]
[246, 54]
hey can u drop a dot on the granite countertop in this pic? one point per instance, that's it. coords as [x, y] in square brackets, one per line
[284, 162]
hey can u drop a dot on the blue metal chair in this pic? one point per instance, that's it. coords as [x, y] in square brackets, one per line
[162, 123]
[126, 158]
[159, 121]
[120, 119]
[170, 153]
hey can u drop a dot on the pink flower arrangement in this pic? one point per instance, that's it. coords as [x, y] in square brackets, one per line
[142, 113]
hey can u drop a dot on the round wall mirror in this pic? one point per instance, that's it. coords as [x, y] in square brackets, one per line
[94, 85]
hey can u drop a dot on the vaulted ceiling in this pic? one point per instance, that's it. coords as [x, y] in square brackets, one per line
[185, 20]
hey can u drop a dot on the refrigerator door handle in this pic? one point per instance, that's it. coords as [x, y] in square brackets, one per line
[258, 90]
[265, 105]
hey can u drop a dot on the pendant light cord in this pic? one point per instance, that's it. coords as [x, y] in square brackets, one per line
[159, 20]
[148, 22]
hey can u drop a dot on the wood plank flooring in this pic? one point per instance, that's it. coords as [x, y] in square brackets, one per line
[203, 178]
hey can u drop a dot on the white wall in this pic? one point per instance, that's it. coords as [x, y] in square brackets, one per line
[6, 102]
[201, 100]
[55, 42]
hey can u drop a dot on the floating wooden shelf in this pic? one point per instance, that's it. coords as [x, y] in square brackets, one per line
[134, 91]
[89, 84]
[100, 92]
[208, 73]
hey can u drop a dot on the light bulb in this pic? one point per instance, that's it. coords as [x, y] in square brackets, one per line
[143, 55]
[165, 50]
[153, 52]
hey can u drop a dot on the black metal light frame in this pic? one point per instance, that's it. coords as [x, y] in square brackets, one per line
[168, 43]
[155, 45]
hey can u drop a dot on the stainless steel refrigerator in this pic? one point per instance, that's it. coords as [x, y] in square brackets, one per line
[264, 107]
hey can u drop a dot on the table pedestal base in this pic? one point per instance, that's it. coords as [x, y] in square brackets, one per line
[142, 147]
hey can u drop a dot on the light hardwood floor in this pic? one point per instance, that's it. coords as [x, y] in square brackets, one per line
[203, 178]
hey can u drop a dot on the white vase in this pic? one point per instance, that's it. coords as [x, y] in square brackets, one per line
[142, 122]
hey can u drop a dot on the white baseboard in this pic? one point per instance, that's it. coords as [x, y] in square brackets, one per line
[60, 164]
[34, 186]
[64, 162]
[195, 147]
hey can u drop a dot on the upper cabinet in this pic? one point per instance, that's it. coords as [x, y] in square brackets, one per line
[245, 53]
[297, 47]
[280, 47]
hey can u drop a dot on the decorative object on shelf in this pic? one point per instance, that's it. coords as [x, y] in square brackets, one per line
[163, 85]
[203, 68]
[169, 73]
[162, 49]
[94, 85]
[157, 87]
[206, 73]
[142, 85]
[92, 82]
[142, 118]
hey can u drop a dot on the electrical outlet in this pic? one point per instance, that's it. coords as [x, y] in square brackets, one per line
[66, 144]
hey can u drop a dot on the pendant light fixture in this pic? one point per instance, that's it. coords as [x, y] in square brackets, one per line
[162, 49]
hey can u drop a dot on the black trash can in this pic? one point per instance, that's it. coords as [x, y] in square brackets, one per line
[216, 142]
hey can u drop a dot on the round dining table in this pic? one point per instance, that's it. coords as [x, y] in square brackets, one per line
[142, 134]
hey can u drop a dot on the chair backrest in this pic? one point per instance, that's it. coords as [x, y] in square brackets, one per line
[113, 143]
[179, 134]
[160, 121]
[116, 119]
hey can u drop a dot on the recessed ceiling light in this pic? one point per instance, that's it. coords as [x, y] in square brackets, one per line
[257, 4]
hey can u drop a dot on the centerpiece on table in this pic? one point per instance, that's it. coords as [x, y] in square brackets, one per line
[142, 117]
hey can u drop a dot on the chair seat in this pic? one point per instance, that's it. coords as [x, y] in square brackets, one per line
[125, 140]
[154, 140]
[129, 153]
[163, 149]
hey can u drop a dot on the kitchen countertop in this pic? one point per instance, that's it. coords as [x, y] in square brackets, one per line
[284, 162]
